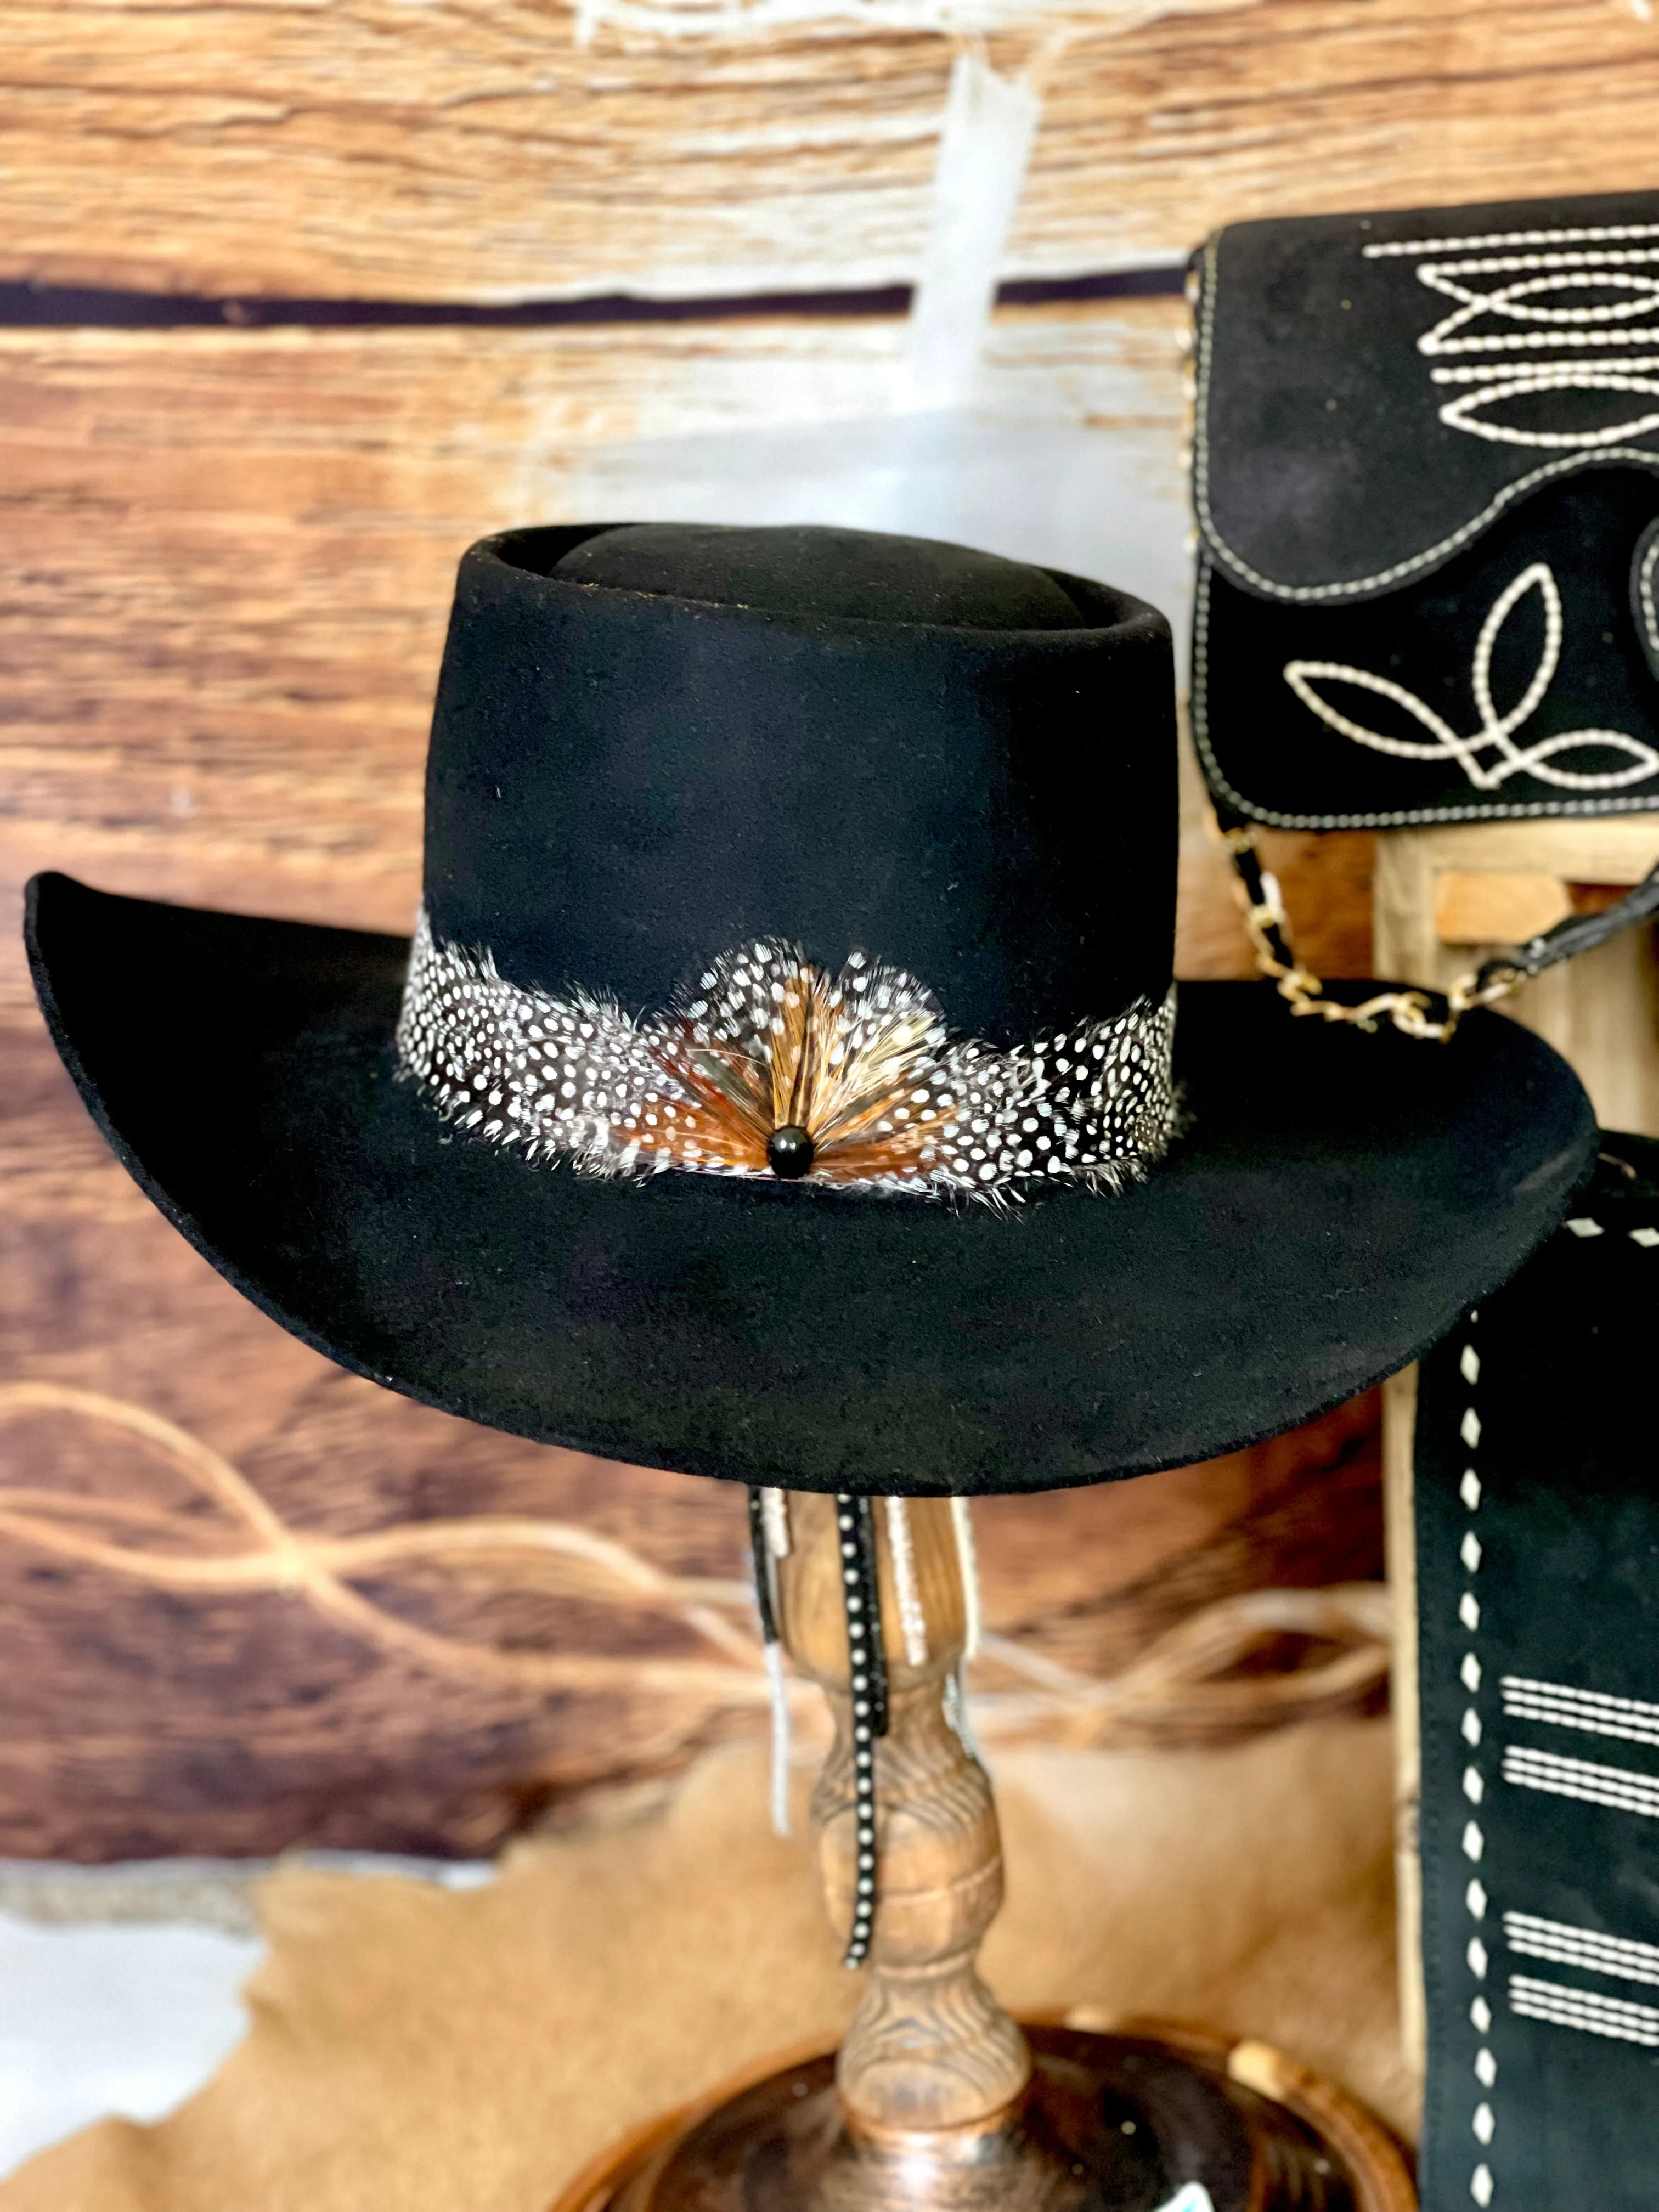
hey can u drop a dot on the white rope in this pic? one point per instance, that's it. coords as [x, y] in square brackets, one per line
[956, 1692]
[985, 137]
[912, 1620]
[775, 1527]
[958, 1719]
[779, 1686]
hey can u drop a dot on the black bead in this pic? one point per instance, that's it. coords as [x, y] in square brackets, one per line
[789, 1151]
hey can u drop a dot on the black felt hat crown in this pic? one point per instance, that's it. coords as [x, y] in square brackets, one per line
[654, 744]
[738, 836]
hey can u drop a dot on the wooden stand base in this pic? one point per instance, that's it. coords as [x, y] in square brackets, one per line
[1107, 2123]
[936, 2101]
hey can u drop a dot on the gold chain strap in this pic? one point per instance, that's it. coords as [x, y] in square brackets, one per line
[1263, 906]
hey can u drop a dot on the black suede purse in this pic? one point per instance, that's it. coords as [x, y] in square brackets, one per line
[1426, 478]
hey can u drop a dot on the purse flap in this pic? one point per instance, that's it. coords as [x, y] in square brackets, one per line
[1511, 680]
[1374, 390]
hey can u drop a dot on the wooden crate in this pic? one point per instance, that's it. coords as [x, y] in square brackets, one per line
[1448, 899]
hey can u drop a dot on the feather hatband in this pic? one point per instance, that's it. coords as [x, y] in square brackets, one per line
[775, 1067]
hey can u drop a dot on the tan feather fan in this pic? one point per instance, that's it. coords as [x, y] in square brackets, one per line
[776, 1044]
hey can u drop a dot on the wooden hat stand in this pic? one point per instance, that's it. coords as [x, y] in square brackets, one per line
[936, 2101]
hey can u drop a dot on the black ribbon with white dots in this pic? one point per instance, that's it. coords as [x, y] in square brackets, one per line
[856, 1531]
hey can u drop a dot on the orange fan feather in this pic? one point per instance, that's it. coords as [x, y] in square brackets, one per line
[790, 1070]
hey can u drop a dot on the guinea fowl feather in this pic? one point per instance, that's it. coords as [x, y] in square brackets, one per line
[858, 1071]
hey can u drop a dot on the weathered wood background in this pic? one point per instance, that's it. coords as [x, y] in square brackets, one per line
[224, 568]
[457, 152]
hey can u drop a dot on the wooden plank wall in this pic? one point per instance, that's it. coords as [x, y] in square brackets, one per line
[448, 151]
[225, 556]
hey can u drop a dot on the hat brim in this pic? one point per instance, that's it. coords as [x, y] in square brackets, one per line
[1333, 1202]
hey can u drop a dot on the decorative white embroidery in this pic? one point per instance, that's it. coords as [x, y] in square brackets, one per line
[1647, 579]
[1396, 572]
[1563, 1945]
[891, 1102]
[1465, 414]
[1394, 249]
[1619, 1787]
[1402, 817]
[1591, 2013]
[1497, 731]
[1591, 347]
[1470, 1554]
[1506, 496]
[1591, 1711]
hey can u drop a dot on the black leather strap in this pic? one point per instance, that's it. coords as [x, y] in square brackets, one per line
[1579, 933]
[1535, 1496]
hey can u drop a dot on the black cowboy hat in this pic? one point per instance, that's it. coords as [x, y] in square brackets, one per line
[696, 799]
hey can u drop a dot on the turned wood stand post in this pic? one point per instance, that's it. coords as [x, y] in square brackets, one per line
[930, 2047]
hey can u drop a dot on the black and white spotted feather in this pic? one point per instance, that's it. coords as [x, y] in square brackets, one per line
[864, 1062]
